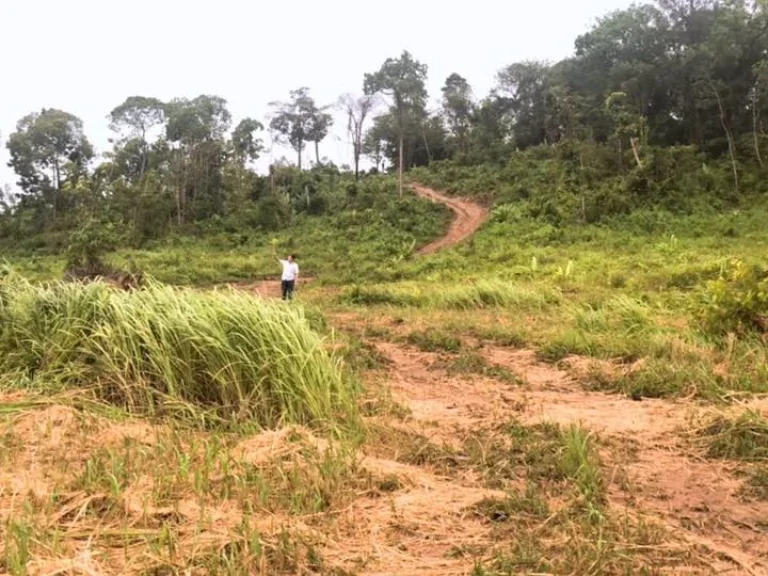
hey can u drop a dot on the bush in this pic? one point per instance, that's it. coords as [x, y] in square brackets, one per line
[88, 244]
[737, 301]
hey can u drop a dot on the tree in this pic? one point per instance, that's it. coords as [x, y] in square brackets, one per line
[295, 120]
[319, 125]
[629, 125]
[197, 128]
[357, 110]
[41, 147]
[246, 144]
[403, 80]
[526, 84]
[138, 115]
[458, 109]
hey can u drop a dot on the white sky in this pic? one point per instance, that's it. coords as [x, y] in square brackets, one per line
[87, 56]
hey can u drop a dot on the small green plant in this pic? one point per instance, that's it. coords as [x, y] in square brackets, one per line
[581, 463]
[18, 536]
[563, 275]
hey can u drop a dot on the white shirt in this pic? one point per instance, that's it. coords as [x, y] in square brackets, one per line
[290, 270]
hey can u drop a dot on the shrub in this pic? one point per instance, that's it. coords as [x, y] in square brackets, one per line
[88, 244]
[736, 302]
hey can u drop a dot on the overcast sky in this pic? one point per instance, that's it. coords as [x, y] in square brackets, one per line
[87, 56]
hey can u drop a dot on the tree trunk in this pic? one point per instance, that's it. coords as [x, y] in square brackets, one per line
[298, 150]
[143, 154]
[317, 152]
[426, 145]
[400, 165]
[728, 135]
[357, 161]
[57, 190]
[754, 127]
[633, 142]
[180, 188]
[621, 156]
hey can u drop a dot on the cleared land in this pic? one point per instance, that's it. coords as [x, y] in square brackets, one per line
[499, 428]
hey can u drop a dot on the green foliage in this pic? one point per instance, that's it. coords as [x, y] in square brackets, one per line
[299, 121]
[89, 243]
[737, 301]
[220, 357]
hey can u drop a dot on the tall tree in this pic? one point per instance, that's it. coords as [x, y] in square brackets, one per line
[42, 146]
[403, 80]
[526, 84]
[294, 120]
[357, 110]
[319, 125]
[197, 127]
[137, 116]
[458, 108]
[246, 143]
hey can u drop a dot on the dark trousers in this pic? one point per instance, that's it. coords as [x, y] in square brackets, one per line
[287, 286]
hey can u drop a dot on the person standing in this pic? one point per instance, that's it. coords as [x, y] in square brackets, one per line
[289, 277]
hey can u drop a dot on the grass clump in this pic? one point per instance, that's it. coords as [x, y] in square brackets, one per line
[470, 363]
[432, 340]
[218, 355]
[741, 438]
[580, 463]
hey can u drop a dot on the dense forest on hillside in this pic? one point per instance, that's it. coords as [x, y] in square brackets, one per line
[661, 106]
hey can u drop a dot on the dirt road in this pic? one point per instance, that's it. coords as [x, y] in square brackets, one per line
[469, 218]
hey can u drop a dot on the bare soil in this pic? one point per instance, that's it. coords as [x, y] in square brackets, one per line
[663, 479]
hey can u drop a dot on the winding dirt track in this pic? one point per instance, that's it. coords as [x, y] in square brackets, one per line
[469, 218]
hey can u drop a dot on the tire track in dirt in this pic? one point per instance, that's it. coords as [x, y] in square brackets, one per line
[469, 218]
[666, 479]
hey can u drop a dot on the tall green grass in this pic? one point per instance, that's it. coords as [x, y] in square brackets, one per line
[222, 353]
[466, 296]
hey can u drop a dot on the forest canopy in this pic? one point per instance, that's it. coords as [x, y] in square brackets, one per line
[651, 94]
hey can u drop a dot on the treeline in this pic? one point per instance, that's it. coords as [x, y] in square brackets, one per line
[644, 87]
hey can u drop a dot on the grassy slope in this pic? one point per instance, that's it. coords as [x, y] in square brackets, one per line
[367, 241]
